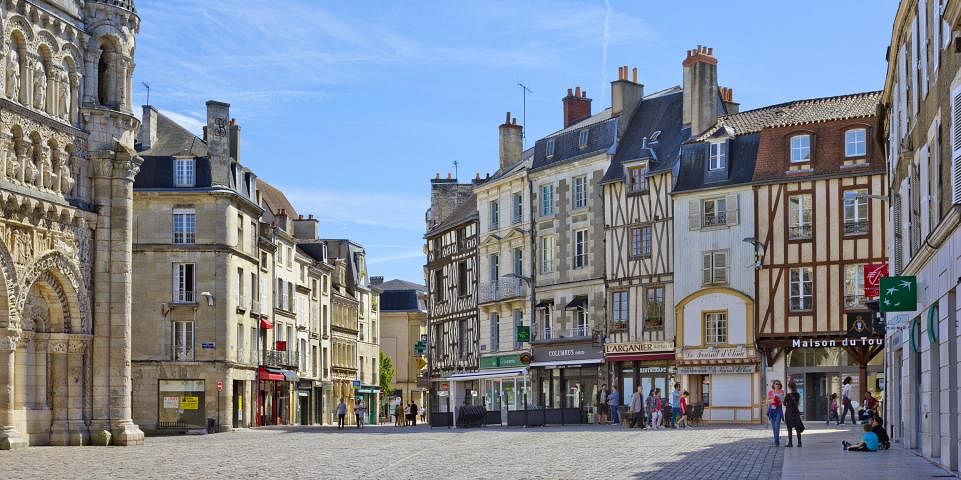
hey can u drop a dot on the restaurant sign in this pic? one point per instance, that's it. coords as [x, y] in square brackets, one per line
[715, 369]
[714, 353]
[638, 347]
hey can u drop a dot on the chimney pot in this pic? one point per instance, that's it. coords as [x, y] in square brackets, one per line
[450, 176]
[514, 121]
[311, 216]
[634, 73]
[583, 93]
[508, 121]
[437, 176]
[569, 93]
[577, 91]
[300, 217]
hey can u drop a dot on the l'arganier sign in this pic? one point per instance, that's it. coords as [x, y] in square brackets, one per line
[638, 347]
[833, 342]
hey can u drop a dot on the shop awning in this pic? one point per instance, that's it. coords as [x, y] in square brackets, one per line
[277, 375]
[627, 357]
[578, 303]
[265, 324]
[492, 373]
[586, 361]
[544, 304]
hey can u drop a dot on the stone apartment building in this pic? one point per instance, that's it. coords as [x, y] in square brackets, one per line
[67, 166]
[920, 126]
[403, 318]
[196, 254]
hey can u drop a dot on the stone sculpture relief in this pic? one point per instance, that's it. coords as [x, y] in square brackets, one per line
[39, 87]
[13, 74]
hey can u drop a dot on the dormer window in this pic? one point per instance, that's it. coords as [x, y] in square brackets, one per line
[800, 148]
[637, 179]
[718, 159]
[184, 175]
[550, 148]
[855, 142]
[582, 139]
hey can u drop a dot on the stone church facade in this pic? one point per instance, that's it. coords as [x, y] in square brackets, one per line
[67, 164]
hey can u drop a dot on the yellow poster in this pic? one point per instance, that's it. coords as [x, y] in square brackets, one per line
[240, 403]
[189, 403]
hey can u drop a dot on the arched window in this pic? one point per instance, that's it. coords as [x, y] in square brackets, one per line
[107, 73]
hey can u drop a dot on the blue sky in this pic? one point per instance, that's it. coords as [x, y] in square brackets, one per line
[351, 107]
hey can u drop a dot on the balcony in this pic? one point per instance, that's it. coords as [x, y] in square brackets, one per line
[548, 333]
[278, 358]
[856, 227]
[506, 287]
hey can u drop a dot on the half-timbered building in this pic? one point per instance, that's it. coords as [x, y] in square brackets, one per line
[819, 182]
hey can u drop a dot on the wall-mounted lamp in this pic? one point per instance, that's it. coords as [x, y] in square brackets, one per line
[209, 296]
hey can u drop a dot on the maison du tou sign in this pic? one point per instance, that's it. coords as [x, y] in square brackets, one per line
[833, 342]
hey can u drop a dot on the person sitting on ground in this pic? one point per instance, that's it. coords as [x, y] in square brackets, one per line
[877, 426]
[870, 405]
[868, 443]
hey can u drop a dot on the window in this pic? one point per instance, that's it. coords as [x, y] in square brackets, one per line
[718, 156]
[439, 286]
[715, 328]
[619, 309]
[254, 345]
[185, 225]
[550, 148]
[855, 143]
[580, 248]
[637, 179]
[183, 283]
[546, 322]
[280, 255]
[641, 241]
[715, 212]
[183, 341]
[518, 321]
[461, 278]
[290, 257]
[240, 232]
[547, 200]
[241, 278]
[801, 289]
[323, 283]
[547, 254]
[854, 286]
[580, 192]
[654, 309]
[494, 209]
[253, 236]
[715, 267]
[518, 261]
[494, 263]
[581, 328]
[283, 293]
[856, 212]
[799, 217]
[184, 172]
[517, 207]
[582, 139]
[800, 148]
[240, 342]
[495, 332]
[462, 338]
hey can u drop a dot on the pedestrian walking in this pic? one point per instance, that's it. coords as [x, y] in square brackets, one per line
[341, 413]
[649, 406]
[423, 414]
[413, 414]
[399, 414]
[833, 409]
[792, 414]
[359, 412]
[613, 400]
[657, 416]
[602, 407]
[683, 405]
[675, 404]
[775, 409]
[846, 402]
[637, 409]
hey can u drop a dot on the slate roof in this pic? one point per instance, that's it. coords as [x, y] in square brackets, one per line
[601, 137]
[525, 163]
[174, 140]
[464, 212]
[397, 284]
[800, 112]
[661, 111]
[692, 173]
[402, 296]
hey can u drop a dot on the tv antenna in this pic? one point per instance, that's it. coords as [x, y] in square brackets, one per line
[524, 91]
[147, 86]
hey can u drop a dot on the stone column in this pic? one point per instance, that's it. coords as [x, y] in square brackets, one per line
[76, 351]
[59, 394]
[10, 438]
[100, 355]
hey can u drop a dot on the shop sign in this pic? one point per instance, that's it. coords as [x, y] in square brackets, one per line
[665, 369]
[898, 294]
[561, 353]
[523, 334]
[501, 361]
[638, 347]
[715, 353]
[873, 272]
[715, 369]
[833, 342]
[860, 324]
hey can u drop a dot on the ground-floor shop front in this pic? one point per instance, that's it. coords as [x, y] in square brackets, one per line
[648, 365]
[276, 397]
[566, 377]
[370, 396]
[726, 381]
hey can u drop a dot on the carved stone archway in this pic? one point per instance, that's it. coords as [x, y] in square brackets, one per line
[63, 277]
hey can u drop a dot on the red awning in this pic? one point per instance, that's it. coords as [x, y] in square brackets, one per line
[265, 324]
[626, 357]
[265, 375]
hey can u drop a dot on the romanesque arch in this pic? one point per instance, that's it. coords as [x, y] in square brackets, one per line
[54, 276]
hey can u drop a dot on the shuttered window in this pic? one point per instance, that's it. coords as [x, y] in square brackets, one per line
[956, 145]
[714, 267]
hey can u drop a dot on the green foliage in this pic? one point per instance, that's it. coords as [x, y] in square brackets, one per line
[386, 373]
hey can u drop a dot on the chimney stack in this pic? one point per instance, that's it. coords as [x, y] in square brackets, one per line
[700, 89]
[234, 133]
[577, 106]
[626, 95]
[306, 228]
[511, 142]
[148, 128]
[216, 134]
[727, 99]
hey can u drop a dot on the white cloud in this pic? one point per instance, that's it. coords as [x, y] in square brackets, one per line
[193, 124]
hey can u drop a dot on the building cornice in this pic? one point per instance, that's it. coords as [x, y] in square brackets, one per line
[934, 240]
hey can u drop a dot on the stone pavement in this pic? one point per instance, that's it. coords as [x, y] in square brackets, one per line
[823, 457]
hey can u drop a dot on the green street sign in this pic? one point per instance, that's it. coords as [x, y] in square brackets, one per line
[523, 333]
[898, 294]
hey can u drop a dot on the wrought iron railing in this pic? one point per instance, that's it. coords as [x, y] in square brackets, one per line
[715, 219]
[277, 358]
[504, 288]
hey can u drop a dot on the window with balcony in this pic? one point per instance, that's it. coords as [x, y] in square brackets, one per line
[580, 248]
[183, 341]
[579, 194]
[715, 328]
[715, 212]
[855, 142]
[715, 267]
[517, 207]
[495, 332]
[799, 217]
[546, 324]
[581, 328]
[854, 286]
[518, 254]
[801, 289]
[800, 148]
[494, 264]
[185, 225]
[183, 283]
[856, 212]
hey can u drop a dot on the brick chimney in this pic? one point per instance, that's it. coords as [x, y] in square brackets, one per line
[234, 137]
[727, 99]
[577, 106]
[700, 89]
[216, 134]
[511, 142]
[626, 95]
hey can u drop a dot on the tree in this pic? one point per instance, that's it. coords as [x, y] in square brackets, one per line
[386, 374]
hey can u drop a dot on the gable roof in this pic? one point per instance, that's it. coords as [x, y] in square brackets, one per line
[800, 112]
[659, 112]
[174, 140]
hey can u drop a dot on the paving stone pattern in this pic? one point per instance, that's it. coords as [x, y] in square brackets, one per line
[582, 452]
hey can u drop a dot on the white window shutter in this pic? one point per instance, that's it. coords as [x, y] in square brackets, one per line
[897, 244]
[923, 45]
[730, 201]
[956, 145]
[914, 65]
[707, 277]
[905, 225]
[694, 214]
[923, 176]
[936, 39]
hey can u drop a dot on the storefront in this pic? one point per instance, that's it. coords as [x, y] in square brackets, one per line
[725, 380]
[567, 376]
[640, 364]
[504, 383]
[369, 394]
[180, 404]
[274, 401]
[819, 366]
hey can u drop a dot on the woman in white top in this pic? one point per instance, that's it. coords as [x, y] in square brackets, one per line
[846, 401]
